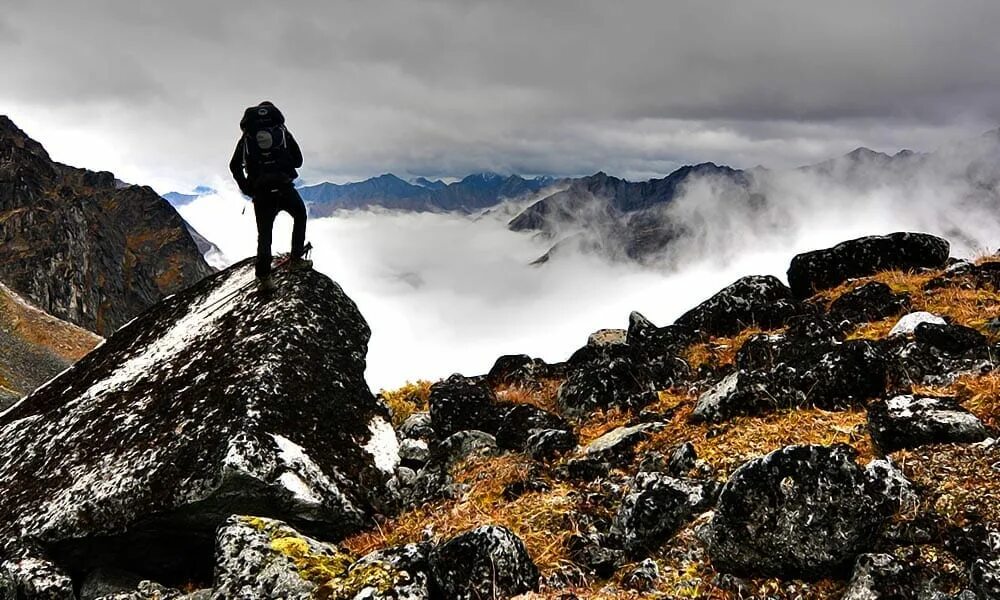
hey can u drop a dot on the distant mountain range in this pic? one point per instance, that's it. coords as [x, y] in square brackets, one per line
[626, 219]
[470, 194]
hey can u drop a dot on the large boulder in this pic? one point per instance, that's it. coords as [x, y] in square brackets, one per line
[462, 403]
[219, 399]
[801, 511]
[34, 579]
[909, 421]
[827, 268]
[518, 422]
[760, 300]
[486, 562]
[657, 350]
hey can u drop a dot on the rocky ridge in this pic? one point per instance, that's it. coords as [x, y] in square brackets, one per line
[850, 451]
[82, 246]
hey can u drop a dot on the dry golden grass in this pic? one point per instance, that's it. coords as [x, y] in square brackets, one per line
[722, 351]
[543, 395]
[958, 480]
[406, 400]
[543, 520]
[743, 438]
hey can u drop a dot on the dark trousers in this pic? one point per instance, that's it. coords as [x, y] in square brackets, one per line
[266, 207]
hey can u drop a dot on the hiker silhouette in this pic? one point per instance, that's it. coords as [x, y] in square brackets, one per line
[264, 165]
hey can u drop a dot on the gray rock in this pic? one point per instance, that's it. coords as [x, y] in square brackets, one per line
[409, 570]
[643, 576]
[31, 578]
[461, 403]
[104, 582]
[658, 506]
[417, 427]
[604, 383]
[801, 511]
[908, 323]
[414, 452]
[486, 562]
[754, 300]
[911, 421]
[544, 444]
[827, 268]
[280, 423]
[463, 444]
[985, 578]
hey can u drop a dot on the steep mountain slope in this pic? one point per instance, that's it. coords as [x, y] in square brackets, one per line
[79, 245]
[34, 346]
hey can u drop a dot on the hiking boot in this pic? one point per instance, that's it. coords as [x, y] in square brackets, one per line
[266, 284]
[300, 264]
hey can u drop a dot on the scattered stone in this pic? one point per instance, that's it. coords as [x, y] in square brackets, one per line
[413, 453]
[486, 562]
[682, 460]
[870, 302]
[985, 579]
[950, 339]
[878, 576]
[657, 507]
[760, 300]
[643, 576]
[517, 369]
[417, 427]
[606, 337]
[462, 403]
[545, 444]
[406, 570]
[658, 349]
[849, 374]
[618, 445]
[463, 444]
[823, 269]
[907, 324]
[801, 511]
[603, 385]
[591, 551]
[912, 421]
[518, 421]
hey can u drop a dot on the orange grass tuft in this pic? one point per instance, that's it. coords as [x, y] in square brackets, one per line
[404, 401]
[722, 351]
[958, 480]
[543, 395]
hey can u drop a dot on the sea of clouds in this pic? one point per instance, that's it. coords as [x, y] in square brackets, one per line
[446, 293]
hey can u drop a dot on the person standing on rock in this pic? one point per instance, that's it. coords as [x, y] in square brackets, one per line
[264, 165]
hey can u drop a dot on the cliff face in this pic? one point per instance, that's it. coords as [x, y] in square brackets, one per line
[82, 247]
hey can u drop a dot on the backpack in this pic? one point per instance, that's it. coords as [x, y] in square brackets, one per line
[265, 148]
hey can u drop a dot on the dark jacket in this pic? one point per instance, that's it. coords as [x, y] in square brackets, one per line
[244, 174]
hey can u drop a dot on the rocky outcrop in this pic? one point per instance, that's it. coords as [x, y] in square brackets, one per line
[219, 400]
[658, 506]
[909, 421]
[870, 302]
[823, 269]
[801, 511]
[759, 300]
[80, 246]
[462, 403]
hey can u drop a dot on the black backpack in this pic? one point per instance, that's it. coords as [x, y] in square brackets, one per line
[265, 148]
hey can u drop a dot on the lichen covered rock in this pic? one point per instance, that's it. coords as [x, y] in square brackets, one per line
[910, 421]
[801, 511]
[218, 400]
[827, 268]
[486, 562]
[760, 300]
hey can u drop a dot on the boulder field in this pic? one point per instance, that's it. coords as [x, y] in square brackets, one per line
[835, 438]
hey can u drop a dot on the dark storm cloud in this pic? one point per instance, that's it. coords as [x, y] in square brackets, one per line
[442, 88]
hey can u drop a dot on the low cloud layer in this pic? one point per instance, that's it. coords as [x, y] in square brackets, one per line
[449, 293]
[154, 91]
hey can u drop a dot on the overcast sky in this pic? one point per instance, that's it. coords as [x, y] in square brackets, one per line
[154, 90]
